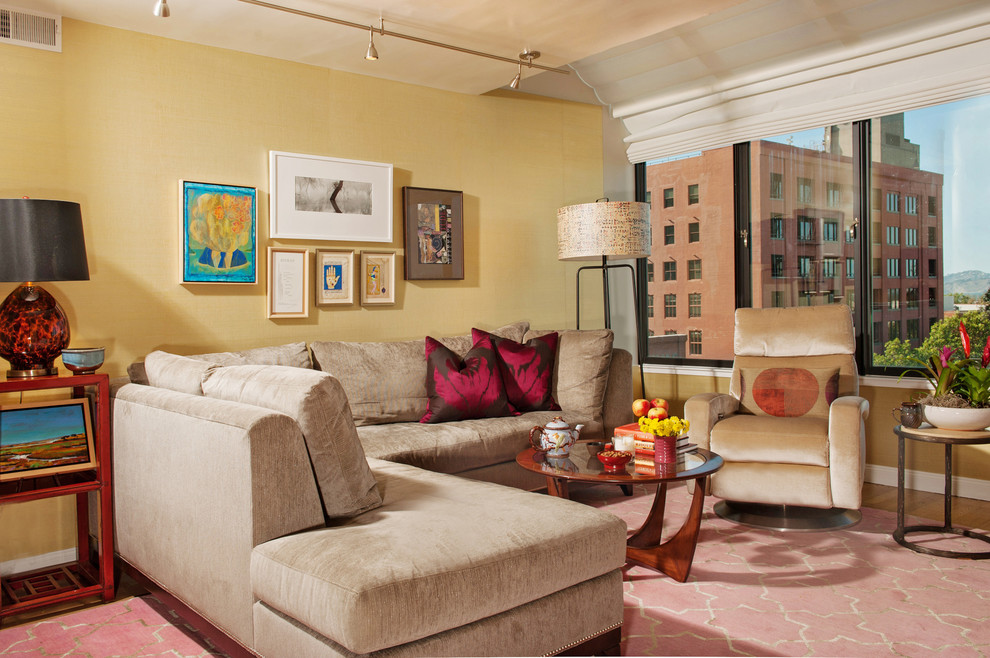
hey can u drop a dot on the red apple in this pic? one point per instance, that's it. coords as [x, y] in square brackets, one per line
[660, 402]
[641, 407]
[657, 413]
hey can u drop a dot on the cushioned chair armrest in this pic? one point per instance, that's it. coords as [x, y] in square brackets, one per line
[617, 409]
[847, 449]
[702, 411]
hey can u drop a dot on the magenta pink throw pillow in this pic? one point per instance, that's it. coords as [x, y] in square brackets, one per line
[526, 369]
[462, 389]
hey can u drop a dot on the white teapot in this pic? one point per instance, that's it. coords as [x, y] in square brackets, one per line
[555, 438]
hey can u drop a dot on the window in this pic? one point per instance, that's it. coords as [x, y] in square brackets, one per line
[694, 341]
[932, 241]
[805, 191]
[776, 186]
[668, 234]
[932, 206]
[893, 268]
[777, 266]
[804, 266]
[910, 237]
[893, 202]
[649, 272]
[694, 305]
[830, 231]
[670, 306]
[830, 265]
[893, 329]
[877, 267]
[649, 306]
[893, 235]
[776, 226]
[693, 197]
[912, 329]
[893, 298]
[694, 232]
[877, 299]
[668, 197]
[875, 235]
[911, 268]
[932, 298]
[910, 205]
[694, 269]
[850, 268]
[670, 270]
[911, 298]
[833, 195]
[932, 268]
[806, 229]
[875, 197]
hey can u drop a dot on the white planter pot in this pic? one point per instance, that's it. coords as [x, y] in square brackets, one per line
[947, 418]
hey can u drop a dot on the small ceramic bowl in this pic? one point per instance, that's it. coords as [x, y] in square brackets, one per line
[614, 460]
[82, 360]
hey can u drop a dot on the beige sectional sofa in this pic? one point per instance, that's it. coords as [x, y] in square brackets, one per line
[290, 497]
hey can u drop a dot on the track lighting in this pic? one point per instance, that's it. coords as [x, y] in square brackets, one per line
[372, 53]
[161, 9]
[515, 81]
[529, 56]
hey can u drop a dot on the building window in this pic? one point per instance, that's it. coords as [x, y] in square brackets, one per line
[911, 268]
[805, 190]
[830, 231]
[806, 229]
[932, 241]
[910, 237]
[694, 269]
[776, 186]
[649, 306]
[804, 267]
[875, 197]
[694, 305]
[893, 202]
[877, 299]
[932, 206]
[875, 235]
[777, 266]
[649, 272]
[894, 235]
[850, 268]
[668, 197]
[833, 195]
[694, 232]
[893, 329]
[893, 268]
[932, 268]
[668, 234]
[932, 298]
[776, 226]
[670, 306]
[911, 298]
[693, 197]
[911, 205]
[893, 298]
[911, 327]
[694, 341]
[670, 270]
[830, 266]
[877, 267]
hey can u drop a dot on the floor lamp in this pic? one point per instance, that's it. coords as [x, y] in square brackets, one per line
[616, 229]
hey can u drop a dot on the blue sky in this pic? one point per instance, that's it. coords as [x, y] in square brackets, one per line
[37, 423]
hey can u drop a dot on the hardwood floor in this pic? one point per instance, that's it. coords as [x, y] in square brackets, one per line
[966, 512]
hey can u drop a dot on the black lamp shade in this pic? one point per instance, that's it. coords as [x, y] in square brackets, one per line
[41, 240]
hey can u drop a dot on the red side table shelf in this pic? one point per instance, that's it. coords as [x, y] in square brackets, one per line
[89, 575]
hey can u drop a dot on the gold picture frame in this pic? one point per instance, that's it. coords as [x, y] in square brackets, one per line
[334, 277]
[45, 438]
[377, 278]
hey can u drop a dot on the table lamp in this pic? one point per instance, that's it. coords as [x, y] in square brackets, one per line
[40, 240]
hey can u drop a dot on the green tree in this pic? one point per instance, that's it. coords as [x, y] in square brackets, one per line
[961, 298]
[946, 332]
[897, 352]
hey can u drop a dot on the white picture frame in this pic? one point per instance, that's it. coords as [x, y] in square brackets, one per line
[288, 282]
[319, 198]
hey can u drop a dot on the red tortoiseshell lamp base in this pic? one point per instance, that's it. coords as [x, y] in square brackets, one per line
[33, 331]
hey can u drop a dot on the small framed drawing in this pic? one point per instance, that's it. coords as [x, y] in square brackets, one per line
[318, 198]
[45, 438]
[434, 233]
[288, 282]
[377, 277]
[219, 233]
[334, 277]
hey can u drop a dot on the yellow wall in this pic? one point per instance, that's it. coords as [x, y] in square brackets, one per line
[117, 119]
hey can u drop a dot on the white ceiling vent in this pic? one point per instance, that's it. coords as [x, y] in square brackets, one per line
[32, 29]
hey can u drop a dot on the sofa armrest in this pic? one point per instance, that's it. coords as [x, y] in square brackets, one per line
[199, 482]
[847, 449]
[702, 411]
[617, 406]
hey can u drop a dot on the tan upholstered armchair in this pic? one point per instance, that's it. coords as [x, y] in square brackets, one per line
[792, 429]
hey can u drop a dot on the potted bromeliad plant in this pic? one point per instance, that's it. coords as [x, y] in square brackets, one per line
[960, 395]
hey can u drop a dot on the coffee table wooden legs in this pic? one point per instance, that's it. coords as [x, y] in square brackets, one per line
[674, 556]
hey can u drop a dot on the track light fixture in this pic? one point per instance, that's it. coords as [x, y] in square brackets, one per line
[372, 53]
[161, 9]
[529, 56]
[515, 81]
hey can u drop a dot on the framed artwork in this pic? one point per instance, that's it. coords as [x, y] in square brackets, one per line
[377, 277]
[219, 233]
[318, 198]
[288, 282]
[45, 438]
[334, 277]
[434, 233]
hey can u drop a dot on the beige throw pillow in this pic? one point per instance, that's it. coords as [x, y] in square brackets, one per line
[177, 373]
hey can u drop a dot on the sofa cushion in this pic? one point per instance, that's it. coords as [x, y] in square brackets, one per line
[581, 375]
[318, 404]
[177, 373]
[788, 392]
[292, 354]
[459, 389]
[769, 440]
[441, 552]
[526, 369]
[401, 395]
[456, 446]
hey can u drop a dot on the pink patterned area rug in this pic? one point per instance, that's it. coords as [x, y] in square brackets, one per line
[139, 626]
[754, 592]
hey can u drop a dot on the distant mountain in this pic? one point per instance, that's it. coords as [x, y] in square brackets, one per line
[971, 282]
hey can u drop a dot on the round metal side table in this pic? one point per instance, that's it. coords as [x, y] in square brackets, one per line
[928, 434]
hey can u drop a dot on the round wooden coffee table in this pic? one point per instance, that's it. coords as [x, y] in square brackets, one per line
[673, 556]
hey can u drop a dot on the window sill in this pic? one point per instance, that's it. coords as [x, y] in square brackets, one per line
[875, 381]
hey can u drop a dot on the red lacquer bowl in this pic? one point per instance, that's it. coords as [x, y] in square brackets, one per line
[614, 460]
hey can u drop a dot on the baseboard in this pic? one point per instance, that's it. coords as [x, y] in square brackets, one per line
[932, 482]
[34, 562]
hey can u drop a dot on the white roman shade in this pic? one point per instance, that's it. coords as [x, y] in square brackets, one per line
[767, 67]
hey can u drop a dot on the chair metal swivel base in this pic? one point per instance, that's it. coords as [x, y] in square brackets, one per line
[792, 518]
